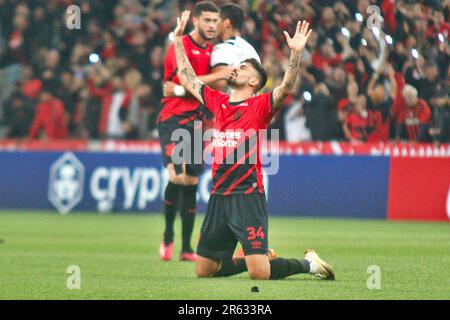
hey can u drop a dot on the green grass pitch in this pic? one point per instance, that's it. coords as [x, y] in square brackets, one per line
[118, 257]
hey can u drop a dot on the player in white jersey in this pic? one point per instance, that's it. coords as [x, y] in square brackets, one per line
[234, 49]
[226, 55]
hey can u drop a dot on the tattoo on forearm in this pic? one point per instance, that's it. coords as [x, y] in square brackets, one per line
[289, 85]
[289, 79]
[293, 62]
[291, 72]
[187, 73]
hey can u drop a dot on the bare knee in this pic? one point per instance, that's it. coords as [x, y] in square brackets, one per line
[203, 272]
[258, 267]
[259, 274]
[205, 267]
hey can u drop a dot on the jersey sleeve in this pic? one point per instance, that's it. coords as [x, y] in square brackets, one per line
[170, 64]
[263, 107]
[222, 54]
[212, 99]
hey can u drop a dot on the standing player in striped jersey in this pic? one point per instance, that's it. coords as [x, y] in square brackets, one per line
[237, 205]
[180, 112]
[234, 49]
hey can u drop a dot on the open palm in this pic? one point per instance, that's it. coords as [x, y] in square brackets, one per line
[301, 36]
[181, 23]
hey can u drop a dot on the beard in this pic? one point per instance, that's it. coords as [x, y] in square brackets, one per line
[232, 82]
[204, 36]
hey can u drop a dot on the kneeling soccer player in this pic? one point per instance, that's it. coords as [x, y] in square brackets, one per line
[237, 206]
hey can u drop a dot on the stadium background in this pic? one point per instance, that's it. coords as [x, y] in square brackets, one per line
[65, 146]
[83, 69]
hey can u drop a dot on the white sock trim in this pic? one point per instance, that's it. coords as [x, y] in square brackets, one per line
[314, 267]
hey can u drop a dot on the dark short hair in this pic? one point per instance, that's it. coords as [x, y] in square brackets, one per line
[261, 72]
[233, 12]
[205, 6]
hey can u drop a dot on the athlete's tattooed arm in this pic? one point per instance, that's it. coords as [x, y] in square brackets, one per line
[186, 74]
[296, 44]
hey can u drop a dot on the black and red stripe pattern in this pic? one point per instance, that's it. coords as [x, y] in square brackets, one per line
[236, 166]
[238, 172]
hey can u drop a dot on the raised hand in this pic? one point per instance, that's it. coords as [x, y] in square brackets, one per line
[181, 23]
[301, 36]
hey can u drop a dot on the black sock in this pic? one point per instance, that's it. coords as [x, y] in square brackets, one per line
[171, 201]
[229, 268]
[188, 211]
[281, 268]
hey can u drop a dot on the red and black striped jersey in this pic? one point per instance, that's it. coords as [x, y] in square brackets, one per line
[358, 125]
[414, 117]
[236, 141]
[184, 109]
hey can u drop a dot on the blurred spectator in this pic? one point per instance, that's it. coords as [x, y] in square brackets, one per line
[124, 40]
[321, 115]
[50, 121]
[357, 123]
[67, 92]
[295, 123]
[440, 102]
[18, 114]
[381, 95]
[415, 120]
[115, 98]
[31, 86]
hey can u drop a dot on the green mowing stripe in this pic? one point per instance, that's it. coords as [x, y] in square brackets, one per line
[118, 257]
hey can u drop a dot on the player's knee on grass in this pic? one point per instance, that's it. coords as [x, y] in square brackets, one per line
[258, 266]
[205, 267]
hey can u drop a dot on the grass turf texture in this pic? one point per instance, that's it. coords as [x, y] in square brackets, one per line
[118, 257]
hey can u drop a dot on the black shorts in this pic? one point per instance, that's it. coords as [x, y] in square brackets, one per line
[232, 219]
[193, 158]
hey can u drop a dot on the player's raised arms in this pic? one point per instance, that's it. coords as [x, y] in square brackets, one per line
[296, 44]
[186, 74]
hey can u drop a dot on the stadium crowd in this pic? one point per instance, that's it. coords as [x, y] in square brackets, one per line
[364, 76]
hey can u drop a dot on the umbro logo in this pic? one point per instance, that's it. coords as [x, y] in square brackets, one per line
[256, 245]
[195, 52]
